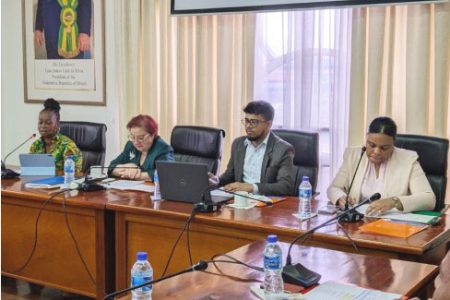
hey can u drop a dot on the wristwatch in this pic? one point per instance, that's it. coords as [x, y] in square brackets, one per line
[397, 203]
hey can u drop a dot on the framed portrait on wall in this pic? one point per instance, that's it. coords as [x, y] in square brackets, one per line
[63, 42]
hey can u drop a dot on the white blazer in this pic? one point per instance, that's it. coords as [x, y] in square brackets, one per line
[404, 178]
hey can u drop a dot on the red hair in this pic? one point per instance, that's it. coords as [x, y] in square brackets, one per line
[144, 121]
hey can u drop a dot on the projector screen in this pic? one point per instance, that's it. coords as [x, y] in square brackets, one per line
[186, 7]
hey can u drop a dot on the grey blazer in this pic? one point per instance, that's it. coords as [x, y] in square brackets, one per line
[276, 170]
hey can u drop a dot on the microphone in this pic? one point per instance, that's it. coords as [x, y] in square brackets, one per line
[206, 205]
[8, 173]
[89, 185]
[300, 275]
[200, 266]
[268, 203]
[353, 216]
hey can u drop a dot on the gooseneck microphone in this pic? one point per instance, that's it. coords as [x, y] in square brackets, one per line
[8, 173]
[89, 185]
[299, 274]
[268, 203]
[206, 205]
[200, 266]
[353, 216]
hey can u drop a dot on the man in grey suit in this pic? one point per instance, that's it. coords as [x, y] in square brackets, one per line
[261, 162]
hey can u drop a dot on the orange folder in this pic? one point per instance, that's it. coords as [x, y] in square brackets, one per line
[392, 228]
[274, 200]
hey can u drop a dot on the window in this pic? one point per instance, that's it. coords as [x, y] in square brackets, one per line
[302, 68]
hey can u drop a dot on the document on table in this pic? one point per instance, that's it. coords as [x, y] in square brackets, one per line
[220, 193]
[395, 214]
[129, 185]
[46, 183]
[340, 291]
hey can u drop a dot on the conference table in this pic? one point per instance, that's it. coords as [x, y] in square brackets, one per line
[153, 226]
[233, 281]
[56, 261]
[110, 226]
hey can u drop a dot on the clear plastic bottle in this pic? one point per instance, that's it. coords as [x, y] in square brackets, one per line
[304, 195]
[273, 265]
[141, 272]
[69, 171]
[157, 191]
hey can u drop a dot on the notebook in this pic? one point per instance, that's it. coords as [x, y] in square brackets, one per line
[37, 165]
[46, 183]
[186, 182]
[394, 229]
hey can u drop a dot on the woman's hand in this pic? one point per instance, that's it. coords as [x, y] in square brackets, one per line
[380, 206]
[341, 201]
[127, 171]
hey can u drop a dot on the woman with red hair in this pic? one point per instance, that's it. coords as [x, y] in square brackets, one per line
[137, 160]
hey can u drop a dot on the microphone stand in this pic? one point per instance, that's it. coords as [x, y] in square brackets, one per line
[91, 186]
[206, 205]
[299, 274]
[353, 216]
[268, 203]
[200, 266]
[8, 173]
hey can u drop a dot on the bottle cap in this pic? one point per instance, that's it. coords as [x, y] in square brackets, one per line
[305, 178]
[141, 256]
[69, 157]
[272, 238]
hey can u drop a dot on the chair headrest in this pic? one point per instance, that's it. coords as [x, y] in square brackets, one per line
[197, 141]
[432, 151]
[306, 146]
[88, 136]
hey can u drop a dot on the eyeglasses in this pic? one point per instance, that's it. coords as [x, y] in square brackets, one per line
[252, 122]
[139, 139]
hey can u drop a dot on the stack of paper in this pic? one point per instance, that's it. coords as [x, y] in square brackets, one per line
[339, 291]
[395, 214]
[132, 185]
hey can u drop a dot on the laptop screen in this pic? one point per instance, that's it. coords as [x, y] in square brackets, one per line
[181, 181]
[37, 164]
[186, 182]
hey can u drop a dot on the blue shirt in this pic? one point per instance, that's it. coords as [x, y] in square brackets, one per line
[254, 157]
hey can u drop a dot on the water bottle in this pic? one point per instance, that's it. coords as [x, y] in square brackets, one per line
[273, 259]
[156, 192]
[141, 272]
[304, 195]
[69, 171]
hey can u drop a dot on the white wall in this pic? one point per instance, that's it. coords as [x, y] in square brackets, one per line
[19, 119]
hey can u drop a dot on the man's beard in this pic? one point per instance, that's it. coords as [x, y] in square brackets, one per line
[254, 138]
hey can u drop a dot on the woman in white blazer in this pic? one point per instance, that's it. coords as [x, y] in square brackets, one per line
[393, 172]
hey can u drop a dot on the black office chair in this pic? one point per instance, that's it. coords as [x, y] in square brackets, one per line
[306, 158]
[90, 139]
[198, 144]
[433, 153]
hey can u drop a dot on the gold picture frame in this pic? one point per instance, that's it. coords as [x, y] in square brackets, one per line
[64, 51]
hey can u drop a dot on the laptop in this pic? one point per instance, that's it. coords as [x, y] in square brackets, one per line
[37, 164]
[186, 182]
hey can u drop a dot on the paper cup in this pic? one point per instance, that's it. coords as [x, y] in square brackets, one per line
[240, 199]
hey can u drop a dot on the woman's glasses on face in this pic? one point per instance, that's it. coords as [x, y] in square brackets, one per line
[138, 139]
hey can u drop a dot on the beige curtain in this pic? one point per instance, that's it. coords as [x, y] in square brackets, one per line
[190, 70]
[401, 68]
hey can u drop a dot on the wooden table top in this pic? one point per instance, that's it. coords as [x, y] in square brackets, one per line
[379, 273]
[277, 219]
